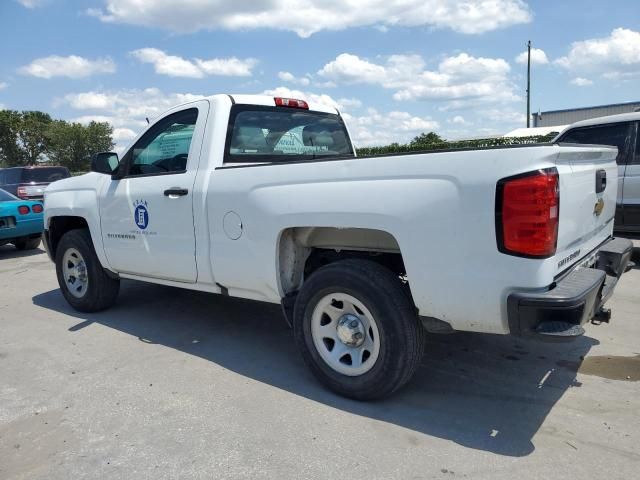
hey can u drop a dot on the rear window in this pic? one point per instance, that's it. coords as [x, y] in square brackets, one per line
[44, 174]
[272, 134]
[6, 196]
[614, 134]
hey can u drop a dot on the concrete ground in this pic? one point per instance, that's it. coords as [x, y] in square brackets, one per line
[179, 384]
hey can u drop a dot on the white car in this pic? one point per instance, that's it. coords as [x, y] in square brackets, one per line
[264, 198]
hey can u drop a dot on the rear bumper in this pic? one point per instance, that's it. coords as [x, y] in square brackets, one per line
[575, 299]
[23, 228]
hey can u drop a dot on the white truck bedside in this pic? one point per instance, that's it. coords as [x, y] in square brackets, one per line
[264, 198]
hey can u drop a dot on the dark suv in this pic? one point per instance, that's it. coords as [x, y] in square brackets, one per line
[29, 183]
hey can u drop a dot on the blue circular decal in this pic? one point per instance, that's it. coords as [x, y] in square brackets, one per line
[141, 216]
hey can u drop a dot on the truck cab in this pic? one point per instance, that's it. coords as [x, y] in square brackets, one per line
[264, 198]
[621, 131]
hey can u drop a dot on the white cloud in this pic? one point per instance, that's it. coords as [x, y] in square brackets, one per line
[72, 66]
[376, 128]
[342, 104]
[175, 66]
[306, 17]
[123, 134]
[581, 82]
[3, 85]
[125, 110]
[370, 127]
[458, 120]
[538, 57]
[461, 78]
[615, 57]
[291, 78]
[32, 3]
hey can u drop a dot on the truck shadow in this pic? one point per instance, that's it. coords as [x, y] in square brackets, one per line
[9, 251]
[486, 392]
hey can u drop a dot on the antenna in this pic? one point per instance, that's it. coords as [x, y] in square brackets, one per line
[147, 119]
[529, 84]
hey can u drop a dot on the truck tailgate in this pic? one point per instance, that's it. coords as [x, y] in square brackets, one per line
[588, 188]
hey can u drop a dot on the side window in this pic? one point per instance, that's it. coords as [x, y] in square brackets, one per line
[165, 147]
[615, 134]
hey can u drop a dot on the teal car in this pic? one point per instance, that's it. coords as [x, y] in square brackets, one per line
[21, 222]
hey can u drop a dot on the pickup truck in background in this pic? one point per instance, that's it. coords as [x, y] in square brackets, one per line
[621, 131]
[29, 183]
[265, 198]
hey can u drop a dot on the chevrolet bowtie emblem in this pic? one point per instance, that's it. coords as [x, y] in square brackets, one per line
[598, 207]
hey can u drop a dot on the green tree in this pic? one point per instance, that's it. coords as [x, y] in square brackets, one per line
[430, 138]
[10, 152]
[23, 137]
[32, 136]
[73, 144]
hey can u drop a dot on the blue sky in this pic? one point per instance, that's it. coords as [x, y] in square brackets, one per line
[394, 68]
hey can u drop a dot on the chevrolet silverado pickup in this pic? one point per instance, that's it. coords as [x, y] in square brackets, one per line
[265, 198]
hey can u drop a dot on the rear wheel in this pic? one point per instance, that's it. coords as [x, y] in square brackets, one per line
[84, 283]
[27, 243]
[357, 329]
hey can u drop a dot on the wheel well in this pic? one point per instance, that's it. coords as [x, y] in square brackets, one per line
[58, 226]
[303, 250]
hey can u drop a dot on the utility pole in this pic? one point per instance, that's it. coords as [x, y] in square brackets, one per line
[529, 84]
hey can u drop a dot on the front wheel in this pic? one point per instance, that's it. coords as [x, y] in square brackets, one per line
[83, 281]
[357, 329]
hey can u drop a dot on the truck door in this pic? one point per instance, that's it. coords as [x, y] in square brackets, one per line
[631, 188]
[147, 215]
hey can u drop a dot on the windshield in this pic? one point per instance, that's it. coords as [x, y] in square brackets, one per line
[6, 196]
[44, 174]
[272, 134]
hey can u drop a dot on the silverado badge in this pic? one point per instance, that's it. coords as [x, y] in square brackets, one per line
[598, 207]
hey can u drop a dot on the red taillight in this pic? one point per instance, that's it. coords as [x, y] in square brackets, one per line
[21, 192]
[527, 211]
[291, 103]
[37, 208]
[23, 209]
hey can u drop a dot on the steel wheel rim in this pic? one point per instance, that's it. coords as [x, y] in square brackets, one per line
[331, 322]
[74, 272]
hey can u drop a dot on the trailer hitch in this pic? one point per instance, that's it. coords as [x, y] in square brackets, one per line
[603, 315]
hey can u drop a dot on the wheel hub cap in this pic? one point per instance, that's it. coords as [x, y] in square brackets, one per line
[74, 272]
[350, 330]
[345, 334]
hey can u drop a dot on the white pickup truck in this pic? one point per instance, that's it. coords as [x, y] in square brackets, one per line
[264, 198]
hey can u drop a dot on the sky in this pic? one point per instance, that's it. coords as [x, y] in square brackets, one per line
[394, 68]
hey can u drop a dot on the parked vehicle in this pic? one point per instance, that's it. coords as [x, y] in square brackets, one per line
[21, 222]
[621, 131]
[29, 183]
[263, 198]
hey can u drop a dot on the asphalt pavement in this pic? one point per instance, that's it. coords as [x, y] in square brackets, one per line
[178, 384]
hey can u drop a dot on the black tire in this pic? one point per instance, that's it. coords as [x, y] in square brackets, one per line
[27, 243]
[401, 334]
[102, 290]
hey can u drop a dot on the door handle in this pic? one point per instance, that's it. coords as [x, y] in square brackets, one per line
[601, 180]
[176, 192]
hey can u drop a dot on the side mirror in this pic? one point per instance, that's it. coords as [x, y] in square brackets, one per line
[105, 162]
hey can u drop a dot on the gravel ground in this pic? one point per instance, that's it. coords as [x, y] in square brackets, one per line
[178, 384]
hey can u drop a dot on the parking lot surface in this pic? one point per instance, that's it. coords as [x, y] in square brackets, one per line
[178, 384]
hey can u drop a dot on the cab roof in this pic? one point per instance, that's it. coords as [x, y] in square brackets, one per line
[268, 100]
[621, 117]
